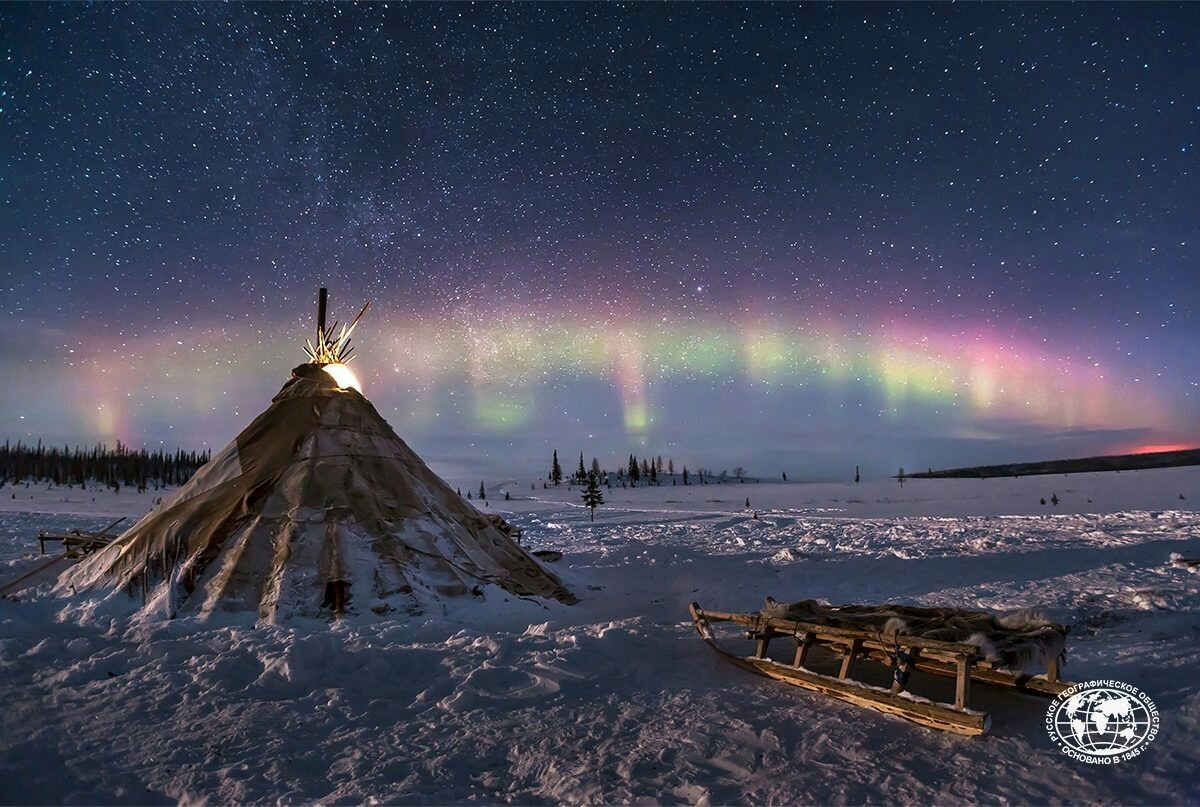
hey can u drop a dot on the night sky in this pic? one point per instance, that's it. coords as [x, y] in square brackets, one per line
[786, 237]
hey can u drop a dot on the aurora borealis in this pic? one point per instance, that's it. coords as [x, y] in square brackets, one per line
[786, 237]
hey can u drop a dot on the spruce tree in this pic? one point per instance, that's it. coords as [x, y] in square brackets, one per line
[555, 470]
[592, 497]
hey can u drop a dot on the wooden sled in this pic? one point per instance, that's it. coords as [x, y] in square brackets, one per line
[76, 544]
[80, 542]
[950, 659]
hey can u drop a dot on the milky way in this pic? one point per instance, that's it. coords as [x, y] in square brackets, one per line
[777, 236]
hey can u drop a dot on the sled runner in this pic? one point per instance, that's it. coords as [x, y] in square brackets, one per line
[903, 638]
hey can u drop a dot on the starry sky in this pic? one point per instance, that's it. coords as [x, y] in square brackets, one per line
[786, 237]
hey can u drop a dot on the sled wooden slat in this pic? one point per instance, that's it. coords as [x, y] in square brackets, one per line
[927, 713]
[1030, 684]
[44, 571]
[852, 650]
[1052, 670]
[764, 641]
[789, 627]
[76, 542]
[803, 645]
[950, 659]
[962, 683]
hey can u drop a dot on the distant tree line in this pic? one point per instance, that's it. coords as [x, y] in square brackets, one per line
[637, 471]
[99, 465]
[1079, 465]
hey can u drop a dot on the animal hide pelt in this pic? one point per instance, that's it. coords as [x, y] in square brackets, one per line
[1016, 641]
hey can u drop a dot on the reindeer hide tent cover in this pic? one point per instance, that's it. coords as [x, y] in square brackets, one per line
[317, 506]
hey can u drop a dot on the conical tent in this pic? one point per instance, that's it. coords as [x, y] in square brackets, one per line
[317, 508]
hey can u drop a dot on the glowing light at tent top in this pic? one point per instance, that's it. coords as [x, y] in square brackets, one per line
[343, 375]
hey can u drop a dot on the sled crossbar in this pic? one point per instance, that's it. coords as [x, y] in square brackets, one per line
[958, 660]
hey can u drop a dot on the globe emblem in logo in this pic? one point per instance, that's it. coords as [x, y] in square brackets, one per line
[1102, 721]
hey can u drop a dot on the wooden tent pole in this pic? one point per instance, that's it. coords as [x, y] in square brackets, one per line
[322, 300]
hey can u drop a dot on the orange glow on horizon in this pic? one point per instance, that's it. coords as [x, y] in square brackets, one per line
[1157, 449]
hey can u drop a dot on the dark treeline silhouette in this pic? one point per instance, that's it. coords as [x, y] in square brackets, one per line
[636, 471]
[1110, 462]
[98, 465]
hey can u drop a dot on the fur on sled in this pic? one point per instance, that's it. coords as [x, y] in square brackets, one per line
[1017, 641]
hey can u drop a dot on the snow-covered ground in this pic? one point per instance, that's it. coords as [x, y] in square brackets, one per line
[616, 699]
